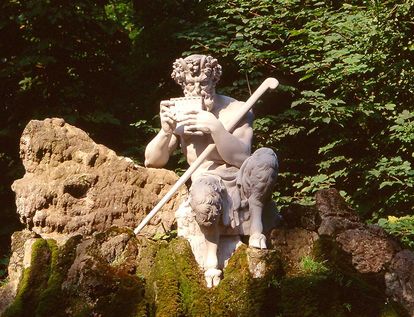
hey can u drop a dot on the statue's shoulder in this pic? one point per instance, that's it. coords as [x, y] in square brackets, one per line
[229, 107]
[229, 103]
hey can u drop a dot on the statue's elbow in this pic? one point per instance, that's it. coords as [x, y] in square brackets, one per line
[149, 162]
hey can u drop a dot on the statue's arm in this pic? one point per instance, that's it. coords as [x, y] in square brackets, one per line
[235, 147]
[158, 151]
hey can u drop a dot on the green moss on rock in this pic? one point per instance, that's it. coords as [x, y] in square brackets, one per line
[174, 286]
[105, 290]
[33, 283]
[117, 274]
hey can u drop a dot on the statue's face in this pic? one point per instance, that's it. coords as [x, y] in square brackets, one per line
[200, 86]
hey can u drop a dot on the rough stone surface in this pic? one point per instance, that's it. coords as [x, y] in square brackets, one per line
[262, 262]
[335, 214]
[292, 244]
[369, 246]
[298, 216]
[75, 186]
[400, 280]
[115, 251]
[371, 252]
[19, 242]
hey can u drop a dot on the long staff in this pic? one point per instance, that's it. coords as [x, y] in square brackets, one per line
[271, 83]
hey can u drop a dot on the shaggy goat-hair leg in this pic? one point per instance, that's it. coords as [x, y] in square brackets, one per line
[257, 238]
[256, 179]
[207, 204]
[212, 274]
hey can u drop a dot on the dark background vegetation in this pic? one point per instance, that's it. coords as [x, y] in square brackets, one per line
[342, 116]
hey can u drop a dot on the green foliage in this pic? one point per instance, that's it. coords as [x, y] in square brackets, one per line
[402, 228]
[308, 265]
[344, 116]
[96, 64]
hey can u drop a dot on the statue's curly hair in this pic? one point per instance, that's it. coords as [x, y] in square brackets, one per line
[195, 64]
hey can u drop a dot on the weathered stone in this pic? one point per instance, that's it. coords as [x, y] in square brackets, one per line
[79, 278]
[262, 262]
[113, 252]
[21, 242]
[78, 190]
[293, 245]
[336, 215]
[400, 280]
[370, 248]
[75, 186]
[371, 252]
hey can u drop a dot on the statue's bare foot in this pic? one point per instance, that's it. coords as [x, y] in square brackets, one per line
[213, 277]
[257, 240]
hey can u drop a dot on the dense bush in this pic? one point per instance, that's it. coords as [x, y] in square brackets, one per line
[101, 65]
[345, 116]
[402, 227]
[342, 116]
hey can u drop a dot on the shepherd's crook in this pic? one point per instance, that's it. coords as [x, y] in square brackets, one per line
[271, 83]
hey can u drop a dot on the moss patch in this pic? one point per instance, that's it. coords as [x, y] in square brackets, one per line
[238, 294]
[105, 290]
[158, 278]
[33, 283]
[336, 290]
[174, 285]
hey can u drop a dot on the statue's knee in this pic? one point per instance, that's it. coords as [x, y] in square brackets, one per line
[206, 200]
[262, 163]
[265, 156]
[258, 174]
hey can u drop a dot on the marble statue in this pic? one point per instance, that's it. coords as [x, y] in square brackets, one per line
[232, 187]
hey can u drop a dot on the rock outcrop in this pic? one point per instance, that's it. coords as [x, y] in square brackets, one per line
[74, 186]
[79, 256]
[372, 253]
[399, 279]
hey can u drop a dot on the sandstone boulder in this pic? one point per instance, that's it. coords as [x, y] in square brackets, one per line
[74, 186]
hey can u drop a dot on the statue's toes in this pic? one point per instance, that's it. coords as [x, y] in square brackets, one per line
[257, 240]
[213, 277]
[263, 243]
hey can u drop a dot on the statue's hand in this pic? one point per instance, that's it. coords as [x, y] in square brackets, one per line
[167, 116]
[199, 122]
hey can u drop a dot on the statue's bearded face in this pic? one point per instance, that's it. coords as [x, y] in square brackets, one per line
[200, 86]
[198, 76]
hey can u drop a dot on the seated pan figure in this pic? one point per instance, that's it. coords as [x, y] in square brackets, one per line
[231, 186]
